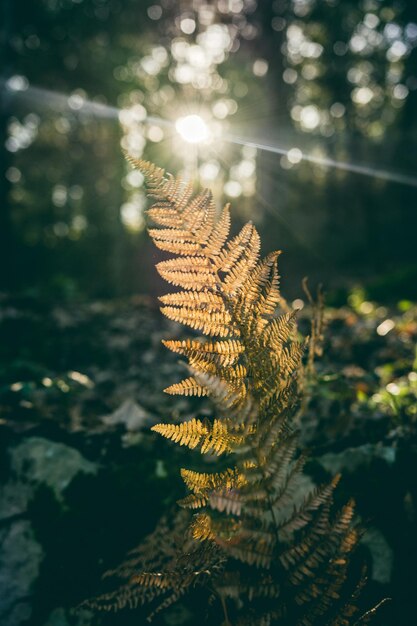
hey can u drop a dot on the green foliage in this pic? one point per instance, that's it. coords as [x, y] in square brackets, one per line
[366, 378]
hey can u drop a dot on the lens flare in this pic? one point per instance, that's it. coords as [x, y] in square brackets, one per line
[192, 128]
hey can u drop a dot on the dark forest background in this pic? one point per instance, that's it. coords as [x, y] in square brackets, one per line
[334, 79]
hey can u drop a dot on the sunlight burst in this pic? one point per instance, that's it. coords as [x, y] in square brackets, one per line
[192, 128]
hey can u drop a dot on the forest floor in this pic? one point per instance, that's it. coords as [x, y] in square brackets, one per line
[83, 480]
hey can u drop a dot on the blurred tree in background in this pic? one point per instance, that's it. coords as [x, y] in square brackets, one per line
[328, 79]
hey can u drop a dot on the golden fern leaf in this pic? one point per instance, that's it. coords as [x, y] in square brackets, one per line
[183, 247]
[163, 214]
[176, 191]
[222, 438]
[235, 249]
[213, 323]
[194, 299]
[222, 531]
[188, 272]
[185, 434]
[172, 235]
[215, 437]
[194, 501]
[200, 481]
[153, 174]
[235, 376]
[228, 397]
[270, 297]
[278, 375]
[223, 353]
[260, 278]
[219, 234]
[198, 211]
[201, 528]
[187, 387]
[239, 272]
[279, 331]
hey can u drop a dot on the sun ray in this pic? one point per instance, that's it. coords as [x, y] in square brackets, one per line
[57, 101]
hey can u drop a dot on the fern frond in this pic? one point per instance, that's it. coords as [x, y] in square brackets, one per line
[213, 323]
[304, 514]
[260, 278]
[200, 481]
[201, 528]
[187, 387]
[236, 248]
[252, 548]
[228, 501]
[223, 353]
[154, 175]
[222, 394]
[250, 365]
[238, 273]
[219, 234]
[186, 434]
[194, 501]
[278, 332]
[197, 278]
[198, 299]
[216, 437]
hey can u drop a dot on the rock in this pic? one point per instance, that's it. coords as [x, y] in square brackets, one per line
[14, 498]
[41, 461]
[34, 462]
[131, 414]
[352, 459]
[20, 560]
[382, 555]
